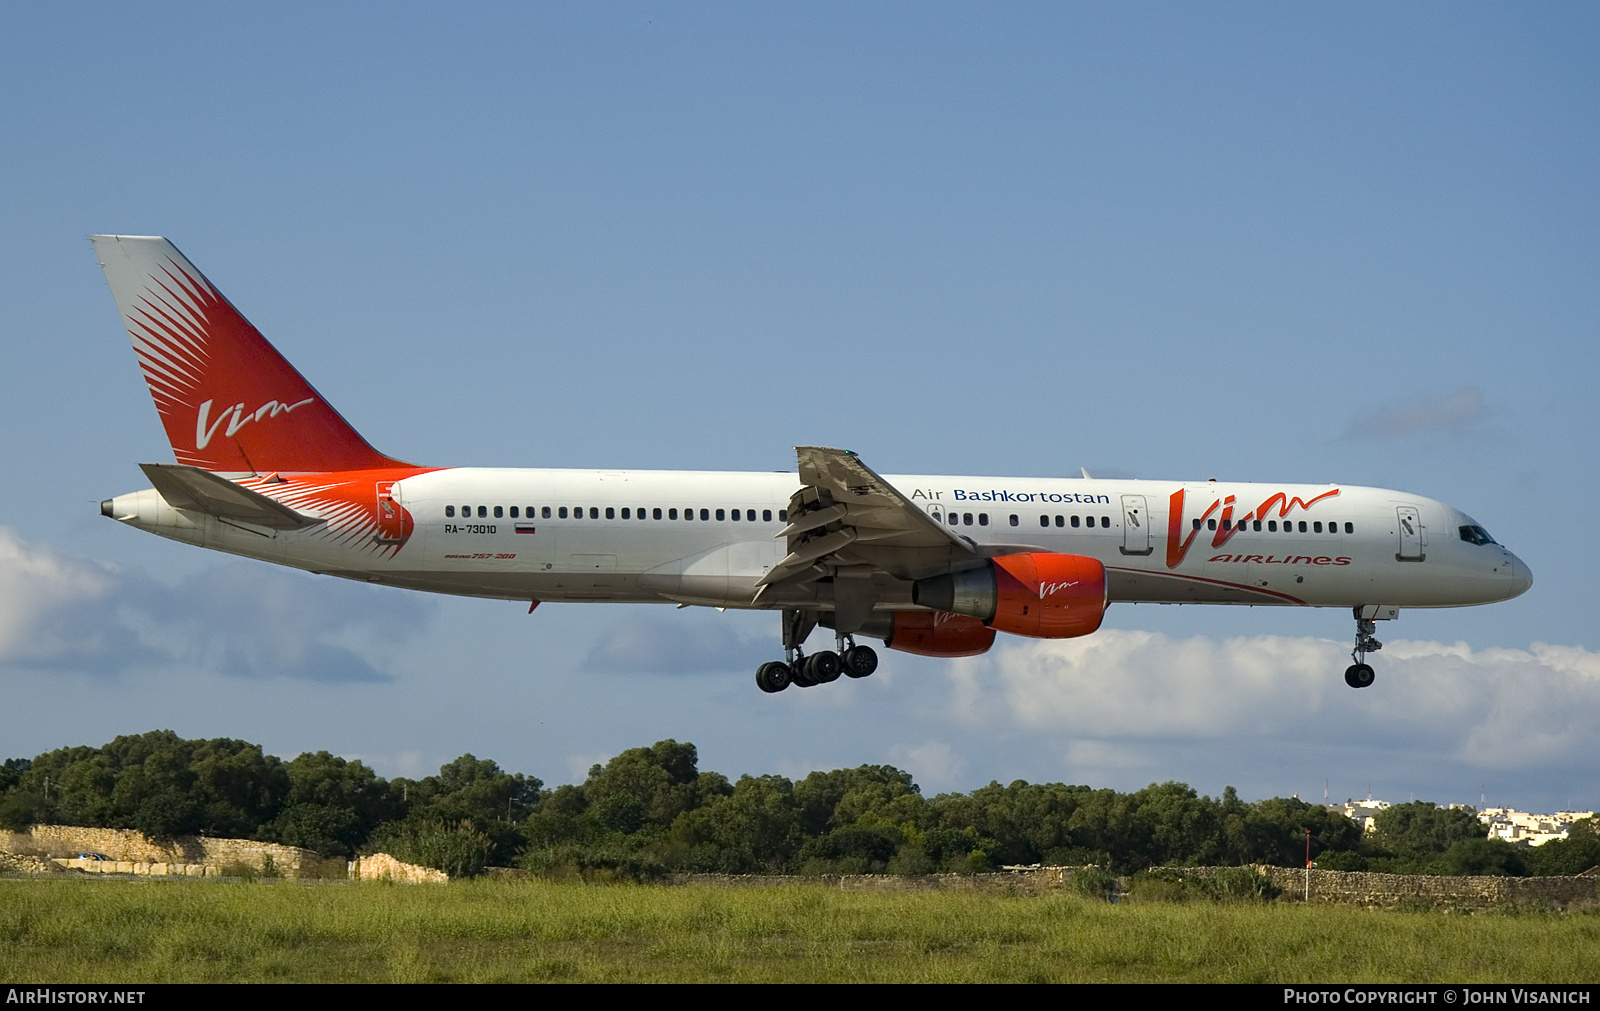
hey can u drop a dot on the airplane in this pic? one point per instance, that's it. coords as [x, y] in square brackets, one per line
[936, 566]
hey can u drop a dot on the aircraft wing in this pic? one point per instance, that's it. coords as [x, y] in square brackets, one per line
[846, 517]
[202, 491]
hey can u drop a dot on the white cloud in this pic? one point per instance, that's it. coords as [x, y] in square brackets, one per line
[1103, 695]
[36, 587]
[934, 765]
[578, 766]
[61, 613]
[690, 644]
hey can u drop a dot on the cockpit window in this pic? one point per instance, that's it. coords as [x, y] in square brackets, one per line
[1476, 535]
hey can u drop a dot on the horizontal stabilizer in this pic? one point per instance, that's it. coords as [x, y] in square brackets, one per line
[202, 491]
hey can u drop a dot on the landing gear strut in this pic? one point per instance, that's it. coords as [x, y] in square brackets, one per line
[1360, 673]
[819, 668]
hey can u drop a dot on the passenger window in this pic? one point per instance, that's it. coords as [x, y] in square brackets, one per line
[750, 515]
[563, 512]
[546, 512]
[449, 511]
[1317, 527]
[983, 519]
[783, 515]
[688, 514]
[611, 512]
[1302, 526]
[766, 515]
[1088, 521]
[1196, 523]
[625, 513]
[483, 512]
[966, 518]
[955, 519]
[1044, 521]
[498, 512]
[1349, 528]
[720, 515]
[1256, 526]
[514, 512]
[1013, 519]
[1105, 521]
[705, 514]
[1211, 524]
[733, 514]
[1272, 526]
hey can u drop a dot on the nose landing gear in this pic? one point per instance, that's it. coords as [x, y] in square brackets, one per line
[1360, 673]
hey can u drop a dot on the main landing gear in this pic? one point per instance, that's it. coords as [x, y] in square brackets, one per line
[819, 668]
[1360, 674]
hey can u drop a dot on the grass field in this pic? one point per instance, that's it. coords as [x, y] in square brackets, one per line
[117, 931]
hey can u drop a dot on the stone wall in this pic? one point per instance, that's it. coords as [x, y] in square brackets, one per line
[1428, 891]
[131, 847]
[1033, 881]
[383, 867]
[1381, 891]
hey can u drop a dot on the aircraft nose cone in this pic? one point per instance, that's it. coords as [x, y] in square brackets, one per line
[1521, 576]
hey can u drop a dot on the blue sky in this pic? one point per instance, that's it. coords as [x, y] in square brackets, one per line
[1351, 243]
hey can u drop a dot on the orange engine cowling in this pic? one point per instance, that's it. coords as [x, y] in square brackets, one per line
[1039, 594]
[925, 633]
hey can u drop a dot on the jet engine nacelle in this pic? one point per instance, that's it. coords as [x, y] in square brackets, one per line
[926, 633]
[1038, 594]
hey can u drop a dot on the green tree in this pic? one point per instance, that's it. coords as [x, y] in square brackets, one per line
[1481, 856]
[755, 827]
[1421, 829]
[1577, 853]
[460, 850]
[664, 780]
[333, 805]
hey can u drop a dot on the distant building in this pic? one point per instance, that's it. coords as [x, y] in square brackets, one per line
[1362, 811]
[1515, 826]
[1503, 823]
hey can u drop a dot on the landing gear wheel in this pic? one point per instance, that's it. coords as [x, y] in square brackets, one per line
[1359, 674]
[798, 673]
[772, 677]
[822, 667]
[859, 661]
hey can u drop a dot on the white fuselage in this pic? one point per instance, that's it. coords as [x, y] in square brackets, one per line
[672, 536]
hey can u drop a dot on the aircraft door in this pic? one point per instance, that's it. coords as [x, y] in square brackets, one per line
[394, 522]
[937, 512]
[1135, 526]
[1412, 538]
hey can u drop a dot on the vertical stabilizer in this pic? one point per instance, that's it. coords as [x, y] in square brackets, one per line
[230, 402]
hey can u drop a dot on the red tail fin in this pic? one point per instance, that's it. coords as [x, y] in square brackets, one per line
[230, 402]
